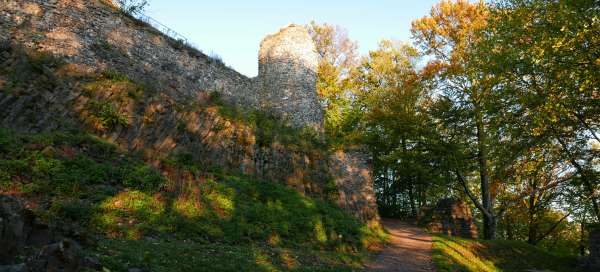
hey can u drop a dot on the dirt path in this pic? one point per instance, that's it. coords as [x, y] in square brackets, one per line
[409, 249]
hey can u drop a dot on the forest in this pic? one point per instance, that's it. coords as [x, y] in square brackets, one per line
[494, 103]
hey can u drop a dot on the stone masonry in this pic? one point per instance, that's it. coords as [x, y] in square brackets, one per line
[92, 37]
[449, 216]
[353, 176]
[287, 76]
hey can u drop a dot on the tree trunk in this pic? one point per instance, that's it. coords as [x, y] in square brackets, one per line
[582, 239]
[411, 198]
[509, 229]
[489, 221]
[532, 225]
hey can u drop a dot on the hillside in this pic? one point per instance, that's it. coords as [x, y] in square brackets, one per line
[128, 214]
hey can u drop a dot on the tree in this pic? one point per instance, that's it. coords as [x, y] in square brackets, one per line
[545, 56]
[338, 59]
[132, 6]
[447, 35]
[393, 124]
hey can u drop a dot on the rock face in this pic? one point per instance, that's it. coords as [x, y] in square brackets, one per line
[173, 116]
[65, 256]
[449, 216]
[287, 78]
[15, 225]
[19, 228]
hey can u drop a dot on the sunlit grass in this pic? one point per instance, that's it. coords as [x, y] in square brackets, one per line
[457, 254]
[450, 253]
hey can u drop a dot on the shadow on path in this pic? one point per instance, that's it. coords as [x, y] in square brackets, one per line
[409, 249]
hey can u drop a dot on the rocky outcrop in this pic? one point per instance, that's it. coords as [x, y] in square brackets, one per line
[19, 228]
[63, 256]
[66, 256]
[449, 216]
[287, 76]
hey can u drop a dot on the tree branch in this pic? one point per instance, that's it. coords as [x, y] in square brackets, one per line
[522, 195]
[537, 240]
[471, 196]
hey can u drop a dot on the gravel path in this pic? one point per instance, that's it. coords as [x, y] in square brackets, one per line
[409, 249]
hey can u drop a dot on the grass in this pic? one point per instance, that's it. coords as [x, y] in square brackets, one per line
[172, 216]
[457, 254]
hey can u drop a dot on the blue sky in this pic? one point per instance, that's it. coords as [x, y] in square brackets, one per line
[233, 29]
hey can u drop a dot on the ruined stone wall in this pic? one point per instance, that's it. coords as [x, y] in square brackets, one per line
[100, 37]
[352, 173]
[449, 216]
[287, 76]
[176, 116]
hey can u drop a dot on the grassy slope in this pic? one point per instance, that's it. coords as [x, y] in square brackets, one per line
[175, 218]
[456, 254]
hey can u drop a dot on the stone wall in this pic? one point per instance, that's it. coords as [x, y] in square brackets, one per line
[91, 33]
[176, 116]
[353, 176]
[449, 216]
[287, 76]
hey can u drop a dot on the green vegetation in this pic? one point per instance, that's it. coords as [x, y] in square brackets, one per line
[269, 128]
[106, 114]
[456, 254]
[495, 102]
[33, 69]
[175, 216]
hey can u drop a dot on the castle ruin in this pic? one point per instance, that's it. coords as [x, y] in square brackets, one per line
[287, 76]
[92, 37]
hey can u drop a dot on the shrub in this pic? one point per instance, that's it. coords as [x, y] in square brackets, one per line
[143, 177]
[115, 75]
[215, 58]
[73, 209]
[106, 114]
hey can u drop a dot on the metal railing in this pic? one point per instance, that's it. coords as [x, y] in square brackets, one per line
[161, 27]
[139, 15]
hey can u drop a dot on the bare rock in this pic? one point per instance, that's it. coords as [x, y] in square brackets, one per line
[64, 256]
[15, 222]
[13, 268]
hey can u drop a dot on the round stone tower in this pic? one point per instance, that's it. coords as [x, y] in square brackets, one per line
[287, 75]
